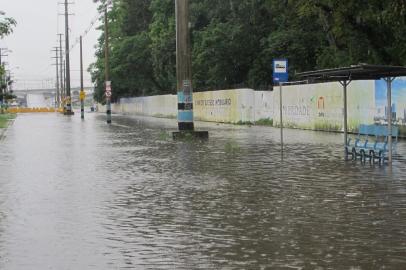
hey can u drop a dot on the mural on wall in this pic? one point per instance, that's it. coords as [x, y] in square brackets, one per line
[320, 106]
[398, 102]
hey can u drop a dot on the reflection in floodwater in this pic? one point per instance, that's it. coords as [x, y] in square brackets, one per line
[84, 195]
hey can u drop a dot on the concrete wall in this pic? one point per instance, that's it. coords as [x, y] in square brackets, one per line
[263, 105]
[320, 106]
[38, 101]
[225, 106]
[157, 106]
[311, 106]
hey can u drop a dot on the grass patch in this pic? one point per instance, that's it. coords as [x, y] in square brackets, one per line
[260, 122]
[265, 122]
[5, 118]
[327, 127]
[244, 123]
[164, 136]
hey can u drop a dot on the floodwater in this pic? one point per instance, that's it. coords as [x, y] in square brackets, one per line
[85, 195]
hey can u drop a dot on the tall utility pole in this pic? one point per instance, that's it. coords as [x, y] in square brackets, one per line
[184, 73]
[61, 68]
[67, 69]
[82, 91]
[64, 79]
[57, 100]
[107, 67]
[184, 67]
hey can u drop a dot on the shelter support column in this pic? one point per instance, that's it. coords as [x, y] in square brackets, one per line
[281, 113]
[389, 81]
[345, 101]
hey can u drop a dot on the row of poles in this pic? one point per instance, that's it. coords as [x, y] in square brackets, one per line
[63, 87]
[183, 68]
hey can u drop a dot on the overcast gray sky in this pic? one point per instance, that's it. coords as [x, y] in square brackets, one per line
[36, 34]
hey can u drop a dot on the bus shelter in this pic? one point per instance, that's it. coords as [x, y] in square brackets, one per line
[346, 75]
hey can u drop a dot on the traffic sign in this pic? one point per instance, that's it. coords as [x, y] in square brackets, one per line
[82, 95]
[280, 70]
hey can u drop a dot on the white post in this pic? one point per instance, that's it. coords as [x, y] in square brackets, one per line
[280, 112]
[345, 84]
[389, 112]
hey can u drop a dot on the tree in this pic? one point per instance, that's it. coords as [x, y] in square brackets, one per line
[235, 41]
[6, 24]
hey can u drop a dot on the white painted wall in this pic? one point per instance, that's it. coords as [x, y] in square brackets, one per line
[38, 101]
[311, 106]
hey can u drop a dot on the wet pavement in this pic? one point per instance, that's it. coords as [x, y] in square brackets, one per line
[85, 195]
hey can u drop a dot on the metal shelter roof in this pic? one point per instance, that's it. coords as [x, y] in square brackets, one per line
[355, 72]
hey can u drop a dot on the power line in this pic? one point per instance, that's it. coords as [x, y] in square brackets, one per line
[91, 25]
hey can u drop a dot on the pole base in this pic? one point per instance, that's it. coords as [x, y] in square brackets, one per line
[190, 134]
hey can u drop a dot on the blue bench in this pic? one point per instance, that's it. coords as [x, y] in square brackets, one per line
[372, 142]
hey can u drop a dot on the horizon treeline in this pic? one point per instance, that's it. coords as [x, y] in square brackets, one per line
[235, 41]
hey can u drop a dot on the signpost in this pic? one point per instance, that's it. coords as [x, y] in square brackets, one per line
[82, 95]
[280, 70]
[108, 89]
[108, 101]
[280, 75]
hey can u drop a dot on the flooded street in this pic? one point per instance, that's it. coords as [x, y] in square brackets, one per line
[85, 195]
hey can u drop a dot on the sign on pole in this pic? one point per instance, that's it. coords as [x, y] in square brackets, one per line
[82, 95]
[108, 89]
[280, 70]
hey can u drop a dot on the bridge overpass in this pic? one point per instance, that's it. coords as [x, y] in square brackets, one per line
[52, 91]
[46, 97]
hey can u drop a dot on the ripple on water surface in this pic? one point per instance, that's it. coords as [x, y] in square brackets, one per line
[126, 196]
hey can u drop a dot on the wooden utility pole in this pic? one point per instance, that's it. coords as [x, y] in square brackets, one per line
[67, 62]
[61, 71]
[57, 99]
[82, 91]
[184, 67]
[184, 74]
[107, 67]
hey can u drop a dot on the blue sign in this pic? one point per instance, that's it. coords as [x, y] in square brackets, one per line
[280, 70]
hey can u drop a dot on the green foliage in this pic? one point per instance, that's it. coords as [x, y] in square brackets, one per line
[5, 118]
[244, 123]
[264, 122]
[6, 25]
[235, 41]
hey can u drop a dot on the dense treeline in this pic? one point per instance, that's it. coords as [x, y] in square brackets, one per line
[234, 41]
